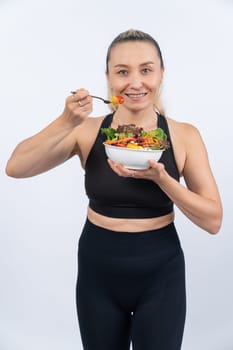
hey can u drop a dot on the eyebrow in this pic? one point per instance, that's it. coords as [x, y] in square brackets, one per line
[142, 64]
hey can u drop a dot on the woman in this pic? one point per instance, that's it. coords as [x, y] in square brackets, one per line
[131, 278]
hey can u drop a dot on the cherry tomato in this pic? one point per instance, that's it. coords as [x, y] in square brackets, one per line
[120, 99]
[116, 100]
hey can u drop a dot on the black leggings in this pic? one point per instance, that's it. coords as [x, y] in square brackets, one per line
[130, 287]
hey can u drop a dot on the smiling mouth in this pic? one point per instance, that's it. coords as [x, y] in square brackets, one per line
[136, 95]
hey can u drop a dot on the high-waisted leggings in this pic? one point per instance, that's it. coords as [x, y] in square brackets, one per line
[130, 288]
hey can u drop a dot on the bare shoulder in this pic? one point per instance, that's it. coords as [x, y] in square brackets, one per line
[88, 129]
[184, 133]
[186, 140]
[183, 128]
[85, 135]
[90, 123]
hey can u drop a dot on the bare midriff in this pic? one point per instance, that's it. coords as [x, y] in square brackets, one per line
[129, 225]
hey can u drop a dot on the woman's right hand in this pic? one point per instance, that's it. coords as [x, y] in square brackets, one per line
[55, 143]
[78, 106]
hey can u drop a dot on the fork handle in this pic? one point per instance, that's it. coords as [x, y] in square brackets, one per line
[100, 98]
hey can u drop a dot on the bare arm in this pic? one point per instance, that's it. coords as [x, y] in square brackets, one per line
[200, 200]
[202, 209]
[54, 144]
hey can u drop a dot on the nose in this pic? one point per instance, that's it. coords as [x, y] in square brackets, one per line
[135, 81]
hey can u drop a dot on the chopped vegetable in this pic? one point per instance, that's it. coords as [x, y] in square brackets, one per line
[117, 100]
[131, 136]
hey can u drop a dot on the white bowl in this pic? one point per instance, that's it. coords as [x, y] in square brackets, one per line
[132, 158]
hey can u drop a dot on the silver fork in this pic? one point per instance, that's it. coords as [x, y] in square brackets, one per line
[99, 98]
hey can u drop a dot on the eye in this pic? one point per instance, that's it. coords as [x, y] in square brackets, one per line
[146, 70]
[122, 72]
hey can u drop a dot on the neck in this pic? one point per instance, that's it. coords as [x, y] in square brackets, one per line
[146, 118]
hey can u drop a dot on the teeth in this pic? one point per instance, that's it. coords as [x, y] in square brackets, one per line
[136, 95]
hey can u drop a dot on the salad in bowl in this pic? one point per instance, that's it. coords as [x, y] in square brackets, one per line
[133, 147]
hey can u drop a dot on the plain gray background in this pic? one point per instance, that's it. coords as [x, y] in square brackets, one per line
[49, 48]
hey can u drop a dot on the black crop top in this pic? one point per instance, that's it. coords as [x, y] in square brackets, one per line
[119, 197]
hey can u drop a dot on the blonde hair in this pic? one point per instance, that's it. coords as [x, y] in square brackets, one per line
[132, 35]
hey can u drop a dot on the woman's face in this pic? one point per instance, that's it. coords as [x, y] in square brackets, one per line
[135, 73]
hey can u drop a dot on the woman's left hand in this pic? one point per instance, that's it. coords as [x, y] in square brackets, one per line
[155, 172]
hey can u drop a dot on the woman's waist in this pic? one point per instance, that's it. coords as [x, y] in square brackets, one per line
[129, 209]
[130, 224]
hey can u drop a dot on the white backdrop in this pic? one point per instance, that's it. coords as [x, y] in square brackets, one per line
[51, 47]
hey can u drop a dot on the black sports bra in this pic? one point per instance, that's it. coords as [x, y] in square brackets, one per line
[119, 197]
